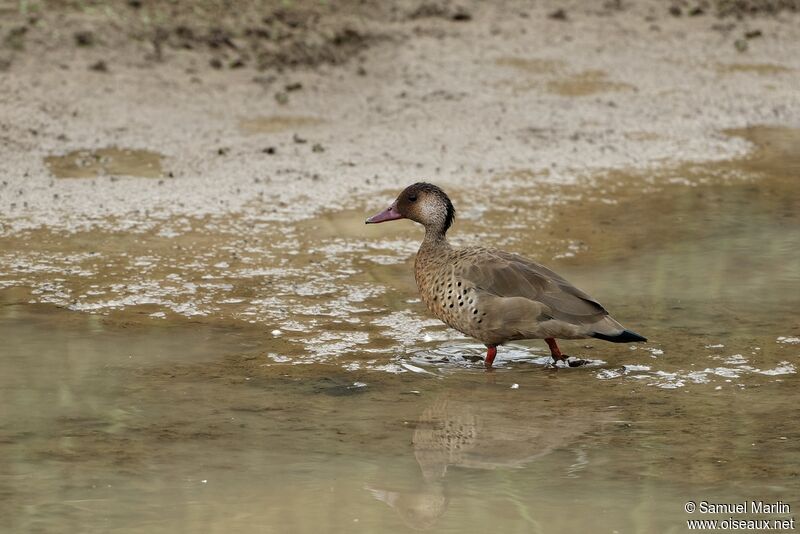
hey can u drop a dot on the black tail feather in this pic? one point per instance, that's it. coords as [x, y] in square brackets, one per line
[626, 336]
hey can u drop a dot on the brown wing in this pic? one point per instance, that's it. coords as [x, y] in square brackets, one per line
[508, 275]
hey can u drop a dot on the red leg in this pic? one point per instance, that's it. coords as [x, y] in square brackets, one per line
[491, 352]
[555, 352]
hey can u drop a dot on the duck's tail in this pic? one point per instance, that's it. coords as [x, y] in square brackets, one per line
[626, 336]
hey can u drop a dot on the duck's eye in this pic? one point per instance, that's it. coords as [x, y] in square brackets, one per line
[412, 197]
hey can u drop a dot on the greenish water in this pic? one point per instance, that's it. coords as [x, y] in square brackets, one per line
[174, 426]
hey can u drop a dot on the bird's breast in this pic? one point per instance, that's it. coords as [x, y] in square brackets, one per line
[449, 297]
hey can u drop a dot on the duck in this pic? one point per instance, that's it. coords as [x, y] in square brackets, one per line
[492, 295]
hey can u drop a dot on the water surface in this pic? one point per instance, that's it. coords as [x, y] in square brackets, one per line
[111, 161]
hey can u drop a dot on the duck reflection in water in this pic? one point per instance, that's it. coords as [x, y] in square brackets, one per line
[482, 434]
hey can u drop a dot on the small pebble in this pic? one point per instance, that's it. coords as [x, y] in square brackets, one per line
[99, 66]
[84, 38]
[461, 15]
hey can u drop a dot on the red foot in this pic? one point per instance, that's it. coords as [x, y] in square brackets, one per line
[491, 352]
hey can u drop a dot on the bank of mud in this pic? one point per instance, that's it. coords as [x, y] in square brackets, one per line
[452, 99]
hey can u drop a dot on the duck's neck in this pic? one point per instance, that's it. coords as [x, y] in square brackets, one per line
[435, 238]
[433, 251]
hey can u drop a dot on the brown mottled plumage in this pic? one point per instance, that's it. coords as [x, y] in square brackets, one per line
[491, 295]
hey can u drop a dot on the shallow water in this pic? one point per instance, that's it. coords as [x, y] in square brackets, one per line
[344, 407]
[276, 123]
[110, 161]
[559, 80]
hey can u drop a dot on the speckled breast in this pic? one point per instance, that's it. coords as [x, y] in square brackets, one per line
[448, 296]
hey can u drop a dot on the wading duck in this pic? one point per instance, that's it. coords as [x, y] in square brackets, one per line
[491, 295]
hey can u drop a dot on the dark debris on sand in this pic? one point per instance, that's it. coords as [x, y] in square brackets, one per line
[284, 35]
[731, 8]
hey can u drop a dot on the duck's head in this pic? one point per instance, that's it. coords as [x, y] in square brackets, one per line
[422, 202]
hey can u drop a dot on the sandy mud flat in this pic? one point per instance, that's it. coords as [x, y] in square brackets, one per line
[422, 93]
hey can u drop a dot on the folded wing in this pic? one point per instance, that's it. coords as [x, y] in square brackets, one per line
[509, 275]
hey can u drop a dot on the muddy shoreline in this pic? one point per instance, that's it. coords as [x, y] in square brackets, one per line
[210, 270]
[508, 97]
